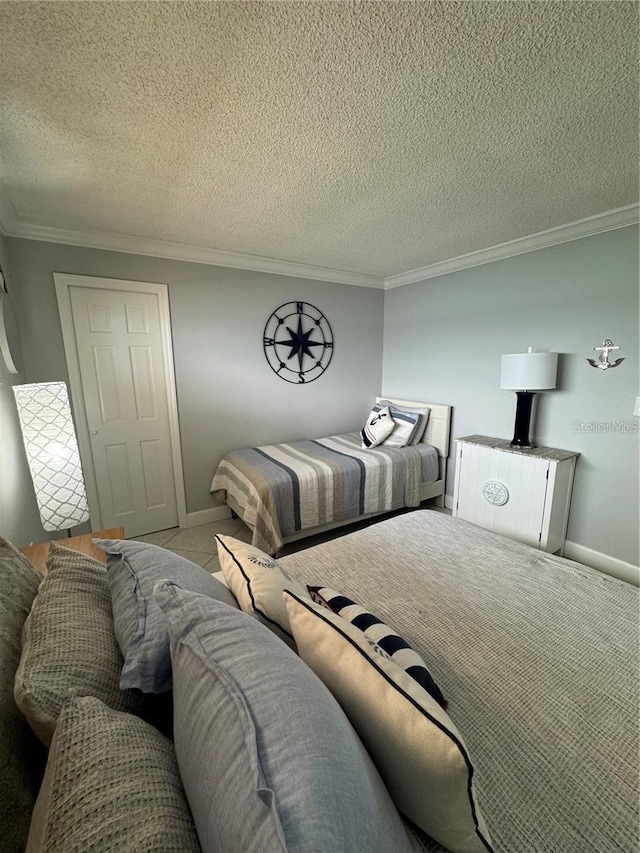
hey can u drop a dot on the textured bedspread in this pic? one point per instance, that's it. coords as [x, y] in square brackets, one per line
[285, 488]
[538, 657]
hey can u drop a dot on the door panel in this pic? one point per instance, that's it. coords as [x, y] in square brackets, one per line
[120, 354]
[143, 382]
[104, 363]
[525, 478]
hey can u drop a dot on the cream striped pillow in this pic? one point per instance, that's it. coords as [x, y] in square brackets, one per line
[414, 743]
[383, 638]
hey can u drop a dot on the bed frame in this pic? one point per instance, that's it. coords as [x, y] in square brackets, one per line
[436, 434]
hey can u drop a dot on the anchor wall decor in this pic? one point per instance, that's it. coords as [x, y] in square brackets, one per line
[603, 359]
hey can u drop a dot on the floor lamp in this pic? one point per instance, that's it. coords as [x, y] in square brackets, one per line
[52, 452]
[525, 373]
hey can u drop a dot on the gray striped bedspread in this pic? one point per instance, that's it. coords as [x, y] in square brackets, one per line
[538, 657]
[285, 488]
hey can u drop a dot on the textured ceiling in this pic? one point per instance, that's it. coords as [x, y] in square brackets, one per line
[374, 137]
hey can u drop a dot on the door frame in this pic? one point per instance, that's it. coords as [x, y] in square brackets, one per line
[63, 283]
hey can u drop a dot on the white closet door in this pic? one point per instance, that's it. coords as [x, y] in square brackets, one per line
[121, 360]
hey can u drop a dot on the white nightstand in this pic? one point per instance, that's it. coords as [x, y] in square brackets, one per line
[523, 493]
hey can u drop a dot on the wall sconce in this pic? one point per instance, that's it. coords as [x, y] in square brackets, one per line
[525, 373]
[52, 452]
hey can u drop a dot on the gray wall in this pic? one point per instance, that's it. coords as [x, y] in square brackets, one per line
[443, 339]
[228, 396]
[19, 517]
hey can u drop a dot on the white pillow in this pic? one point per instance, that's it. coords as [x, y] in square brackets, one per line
[257, 582]
[378, 426]
[406, 424]
[412, 740]
[424, 413]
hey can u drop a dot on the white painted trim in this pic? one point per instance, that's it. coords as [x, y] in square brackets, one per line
[113, 242]
[448, 502]
[77, 402]
[63, 283]
[602, 562]
[7, 214]
[5, 349]
[208, 516]
[597, 224]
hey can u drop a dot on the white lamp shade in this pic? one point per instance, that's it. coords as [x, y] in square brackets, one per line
[52, 452]
[529, 371]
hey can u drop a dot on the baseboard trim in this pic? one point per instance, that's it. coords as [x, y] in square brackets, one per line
[207, 516]
[448, 501]
[603, 562]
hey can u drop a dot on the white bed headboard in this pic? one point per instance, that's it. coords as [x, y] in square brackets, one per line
[438, 425]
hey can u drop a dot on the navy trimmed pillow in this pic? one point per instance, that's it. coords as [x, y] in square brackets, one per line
[257, 581]
[383, 638]
[416, 746]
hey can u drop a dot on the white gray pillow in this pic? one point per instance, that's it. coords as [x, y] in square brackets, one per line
[406, 423]
[424, 413]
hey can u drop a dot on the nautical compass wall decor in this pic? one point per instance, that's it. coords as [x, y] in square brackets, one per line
[298, 342]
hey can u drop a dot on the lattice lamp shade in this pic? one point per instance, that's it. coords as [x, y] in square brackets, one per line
[52, 451]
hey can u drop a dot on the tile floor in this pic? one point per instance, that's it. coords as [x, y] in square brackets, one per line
[198, 544]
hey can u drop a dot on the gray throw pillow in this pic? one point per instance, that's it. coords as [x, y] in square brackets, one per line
[68, 643]
[424, 413]
[112, 786]
[133, 569]
[267, 757]
[21, 754]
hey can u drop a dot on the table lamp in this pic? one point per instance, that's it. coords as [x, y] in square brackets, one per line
[525, 373]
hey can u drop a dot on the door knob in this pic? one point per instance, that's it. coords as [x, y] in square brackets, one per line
[94, 432]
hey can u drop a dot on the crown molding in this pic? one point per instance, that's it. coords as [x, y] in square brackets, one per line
[7, 216]
[597, 224]
[113, 242]
[11, 226]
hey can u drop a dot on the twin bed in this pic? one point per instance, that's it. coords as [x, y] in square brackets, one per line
[288, 491]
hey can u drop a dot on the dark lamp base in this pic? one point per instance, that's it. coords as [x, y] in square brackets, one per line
[523, 419]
